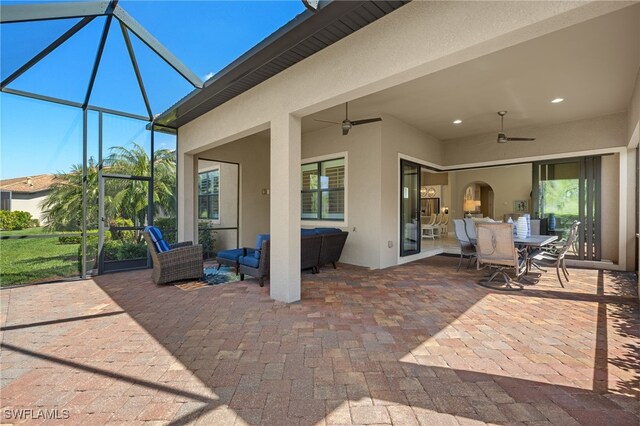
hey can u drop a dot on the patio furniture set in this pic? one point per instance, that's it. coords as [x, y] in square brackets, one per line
[494, 245]
[318, 247]
[183, 261]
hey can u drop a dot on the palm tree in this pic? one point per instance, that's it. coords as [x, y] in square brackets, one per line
[123, 198]
[131, 197]
[62, 209]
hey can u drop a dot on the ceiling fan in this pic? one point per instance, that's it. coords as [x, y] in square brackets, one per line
[502, 137]
[347, 124]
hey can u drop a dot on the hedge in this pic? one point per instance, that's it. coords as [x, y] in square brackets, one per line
[15, 221]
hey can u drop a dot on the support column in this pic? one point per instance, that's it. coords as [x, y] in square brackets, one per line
[285, 208]
[186, 197]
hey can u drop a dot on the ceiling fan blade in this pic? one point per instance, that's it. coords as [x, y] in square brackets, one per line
[520, 139]
[365, 121]
[327, 121]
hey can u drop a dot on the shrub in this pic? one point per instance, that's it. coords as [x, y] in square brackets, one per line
[113, 250]
[128, 236]
[14, 221]
[168, 226]
[70, 239]
[92, 250]
[77, 239]
[207, 238]
[123, 250]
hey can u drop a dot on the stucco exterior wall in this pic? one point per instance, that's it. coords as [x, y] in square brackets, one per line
[252, 153]
[370, 60]
[596, 133]
[29, 203]
[398, 138]
[363, 219]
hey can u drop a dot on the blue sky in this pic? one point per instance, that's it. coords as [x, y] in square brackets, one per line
[38, 137]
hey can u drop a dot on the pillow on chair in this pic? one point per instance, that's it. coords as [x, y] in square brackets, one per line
[259, 239]
[158, 241]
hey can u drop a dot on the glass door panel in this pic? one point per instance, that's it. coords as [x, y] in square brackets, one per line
[566, 191]
[409, 208]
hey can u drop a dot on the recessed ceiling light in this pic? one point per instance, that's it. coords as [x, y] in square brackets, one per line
[557, 100]
[457, 121]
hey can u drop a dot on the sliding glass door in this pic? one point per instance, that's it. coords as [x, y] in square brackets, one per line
[567, 190]
[409, 208]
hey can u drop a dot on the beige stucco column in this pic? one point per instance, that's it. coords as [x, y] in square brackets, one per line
[285, 208]
[186, 197]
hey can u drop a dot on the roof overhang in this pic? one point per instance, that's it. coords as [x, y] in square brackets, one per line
[306, 34]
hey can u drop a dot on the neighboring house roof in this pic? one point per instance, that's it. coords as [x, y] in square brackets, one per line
[306, 34]
[28, 184]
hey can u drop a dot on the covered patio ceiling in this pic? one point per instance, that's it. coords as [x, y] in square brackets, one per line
[592, 65]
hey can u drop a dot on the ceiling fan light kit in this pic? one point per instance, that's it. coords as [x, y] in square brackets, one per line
[502, 136]
[347, 124]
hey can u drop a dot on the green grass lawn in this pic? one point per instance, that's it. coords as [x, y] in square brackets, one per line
[36, 259]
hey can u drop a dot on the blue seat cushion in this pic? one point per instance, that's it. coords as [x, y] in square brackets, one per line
[233, 254]
[158, 241]
[321, 231]
[307, 232]
[249, 261]
[259, 240]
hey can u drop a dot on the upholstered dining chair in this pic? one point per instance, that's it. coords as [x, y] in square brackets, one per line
[466, 247]
[429, 229]
[444, 225]
[470, 228]
[495, 248]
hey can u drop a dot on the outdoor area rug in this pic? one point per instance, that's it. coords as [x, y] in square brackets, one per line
[226, 274]
[212, 276]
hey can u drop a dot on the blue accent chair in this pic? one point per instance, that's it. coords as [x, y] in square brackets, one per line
[232, 257]
[256, 264]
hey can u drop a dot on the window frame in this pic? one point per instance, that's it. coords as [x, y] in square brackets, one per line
[319, 221]
[219, 194]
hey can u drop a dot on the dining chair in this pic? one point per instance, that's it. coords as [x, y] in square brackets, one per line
[495, 248]
[431, 229]
[556, 256]
[466, 247]
[470, 228]
[444, 225]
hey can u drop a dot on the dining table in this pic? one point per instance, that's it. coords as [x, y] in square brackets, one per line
[529, 244]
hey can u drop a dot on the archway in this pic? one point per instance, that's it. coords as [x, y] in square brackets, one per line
[478, 200]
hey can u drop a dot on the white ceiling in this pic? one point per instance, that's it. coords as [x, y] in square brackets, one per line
[592, 65]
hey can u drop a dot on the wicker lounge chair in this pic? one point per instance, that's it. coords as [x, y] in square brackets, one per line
[183, 261]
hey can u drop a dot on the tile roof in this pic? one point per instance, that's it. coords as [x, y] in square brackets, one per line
[28, 184]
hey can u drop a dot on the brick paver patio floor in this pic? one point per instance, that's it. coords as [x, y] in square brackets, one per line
[413, 344]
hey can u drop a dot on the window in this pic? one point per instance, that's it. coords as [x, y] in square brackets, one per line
[209, 195]
[323, 190]
[5, 200]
